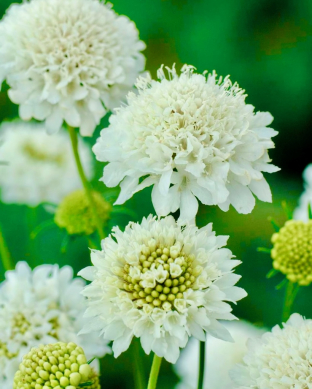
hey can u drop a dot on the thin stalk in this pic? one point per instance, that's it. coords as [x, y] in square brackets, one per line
[85, 182]
[291, 292]
[138, 367]
[152, 382]
[5, 254]
[201, 369]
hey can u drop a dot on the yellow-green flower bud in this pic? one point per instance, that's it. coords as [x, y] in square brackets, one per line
[43, 367]
[292, 251]
[75, 214]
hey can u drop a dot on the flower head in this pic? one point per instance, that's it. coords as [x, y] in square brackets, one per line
[292, 251]
[301, 212]
[60, 365]
[75, 214]
[161, 283]
[281, 359]
[40, 307]
[68, 60]
[221, 357]
[191, 136]
[39, 168]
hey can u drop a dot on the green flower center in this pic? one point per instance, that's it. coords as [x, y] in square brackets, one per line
[292, 251]
[40, 156]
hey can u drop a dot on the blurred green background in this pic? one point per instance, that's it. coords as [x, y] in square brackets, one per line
[266, 46]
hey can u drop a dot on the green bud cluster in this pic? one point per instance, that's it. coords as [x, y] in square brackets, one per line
[58, 366]
[163, 294]
[292, 251]
[76, 216]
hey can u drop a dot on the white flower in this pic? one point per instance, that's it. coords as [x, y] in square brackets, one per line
[68, 60]
[220, 357]
[301, 212]
[281, 359]
[38, 168]
[192, 136]
[160, 308]
[40, 307]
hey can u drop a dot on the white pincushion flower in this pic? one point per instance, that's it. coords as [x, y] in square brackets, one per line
[38, 168]
[191, 136]
[221, 357]
[301, 212]
[40, 307]
[68, 60]
[135, 290]
[281, 359]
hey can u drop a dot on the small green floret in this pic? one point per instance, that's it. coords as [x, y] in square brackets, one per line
[58, 366]
[75, 214]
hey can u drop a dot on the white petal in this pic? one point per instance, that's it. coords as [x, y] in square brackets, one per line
[241, 198]
[189, 206]
[261, 189]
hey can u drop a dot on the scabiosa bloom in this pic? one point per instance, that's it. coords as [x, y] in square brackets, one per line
[191, 136]
[39, 168]
[220, 358]
[68, 60]
[40, 307]
[301, 212]
[59, 365]
[281, 359]
[292, 251]
[75, 214]
[161, 283]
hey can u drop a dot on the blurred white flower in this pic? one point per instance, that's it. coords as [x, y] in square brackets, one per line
[135, 290]
[191, 136]
[68, 60]
[281, 359]
[38, 168]
[301, 212]
[220, 357]
[40, 307]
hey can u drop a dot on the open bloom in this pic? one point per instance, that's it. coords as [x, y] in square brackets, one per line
[68, 60]
[280, 359]
[38, 168]
[301, 212]
[161, 283]
[193, 137]
[221, 357]
[40, 307]
[59, 365]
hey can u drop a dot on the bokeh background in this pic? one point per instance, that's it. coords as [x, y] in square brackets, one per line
[266, 46]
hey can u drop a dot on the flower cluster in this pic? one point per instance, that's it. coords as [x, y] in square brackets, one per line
[191, 136]
[38, 168]
[221, 357]
[41, 306]
[161, 283]
[68, 60]
[75, 214]
[292, 251]
[301, 212]
[281, 359]
[59, 365]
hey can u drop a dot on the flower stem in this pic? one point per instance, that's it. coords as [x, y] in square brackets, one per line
[5, 254]
[138, 367]
[85, 182]
[291, 292]
[152, 382]
[201, 369]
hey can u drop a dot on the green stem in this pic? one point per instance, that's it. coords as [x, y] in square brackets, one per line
[85, 182]
[5, 254]
[138, 367]
[152, 382]
[291, 292]
[201, 369]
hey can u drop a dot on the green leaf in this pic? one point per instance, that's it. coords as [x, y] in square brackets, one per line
[42, 226]
[264, 250]
[281, 284]
[310, 211]
[271, 273]
[91, 360]
[85, 384]
[274, 224]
